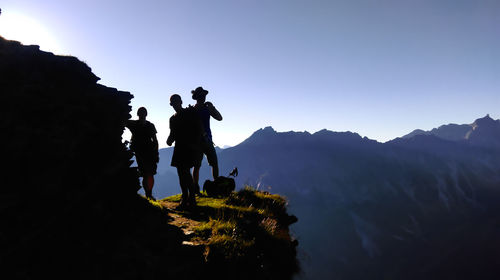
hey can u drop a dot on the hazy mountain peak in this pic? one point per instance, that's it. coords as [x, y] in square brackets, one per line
[323, 131]
[261, 135]
[485, 121]
[415, 133]
[268, 129]
[485, 132]
[329, 132]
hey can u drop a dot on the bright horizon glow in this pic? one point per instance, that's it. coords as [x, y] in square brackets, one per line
[28, 31]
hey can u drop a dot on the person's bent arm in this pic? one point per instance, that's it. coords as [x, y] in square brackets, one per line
[213, 112]
[170, 140]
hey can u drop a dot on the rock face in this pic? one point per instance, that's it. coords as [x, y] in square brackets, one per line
[58, 122]
[64, 158]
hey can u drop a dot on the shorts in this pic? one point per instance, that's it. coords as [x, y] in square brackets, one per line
[209, 150]
[146, 163]
[186, 156]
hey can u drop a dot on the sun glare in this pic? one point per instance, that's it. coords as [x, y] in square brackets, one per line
[14, 26]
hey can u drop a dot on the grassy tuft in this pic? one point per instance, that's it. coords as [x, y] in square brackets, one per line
[268, 204]
[156, 203]
[214, 228]
[248, 228]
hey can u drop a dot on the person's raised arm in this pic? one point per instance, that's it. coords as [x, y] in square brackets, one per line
[213, 112]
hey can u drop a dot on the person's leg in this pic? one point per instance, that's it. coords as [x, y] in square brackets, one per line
[150, 181]
[182, 185]
[196, 177]
[186, 182]
[146, 184]
[145, 172]
[215, 171]
[194, 190]
[198, 158]
[212, 160]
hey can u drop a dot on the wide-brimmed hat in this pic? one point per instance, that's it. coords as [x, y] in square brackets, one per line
[199, 92]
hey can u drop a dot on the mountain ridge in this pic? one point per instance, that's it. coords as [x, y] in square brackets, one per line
[375, 202]
[458, 132]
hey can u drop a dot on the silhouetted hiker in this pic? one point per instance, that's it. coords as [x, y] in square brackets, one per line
[145, 147]
[205, 110]
[186, 131]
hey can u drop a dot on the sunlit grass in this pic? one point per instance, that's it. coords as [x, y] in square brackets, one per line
[228, 246]
[215, 227]
[246, 226]
[173, 198]
[155, 203]
[219, 206]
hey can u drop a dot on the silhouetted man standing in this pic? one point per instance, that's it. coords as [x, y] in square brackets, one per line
[186, 131]
[145, 147]
[206, 110]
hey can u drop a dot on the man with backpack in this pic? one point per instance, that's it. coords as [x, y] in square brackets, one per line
[186, 131]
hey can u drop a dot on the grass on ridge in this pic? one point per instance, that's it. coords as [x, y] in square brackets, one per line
[230, 226]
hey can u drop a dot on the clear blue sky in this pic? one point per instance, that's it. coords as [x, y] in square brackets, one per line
[380, 68]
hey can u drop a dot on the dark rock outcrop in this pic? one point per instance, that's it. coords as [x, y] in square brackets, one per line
[68, 202]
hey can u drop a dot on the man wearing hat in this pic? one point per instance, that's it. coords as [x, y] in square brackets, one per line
[205, 111]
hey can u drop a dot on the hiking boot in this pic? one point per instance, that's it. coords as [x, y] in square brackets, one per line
[149, 195]
[182, 205]
[192, 202]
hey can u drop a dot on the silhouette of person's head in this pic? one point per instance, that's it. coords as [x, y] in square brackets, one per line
[142, 113]
[176, 102]
[199, 94]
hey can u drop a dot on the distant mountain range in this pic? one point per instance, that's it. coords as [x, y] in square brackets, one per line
[484, 131]
[423, 206]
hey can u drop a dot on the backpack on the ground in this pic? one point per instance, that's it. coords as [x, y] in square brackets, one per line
[222, 186]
